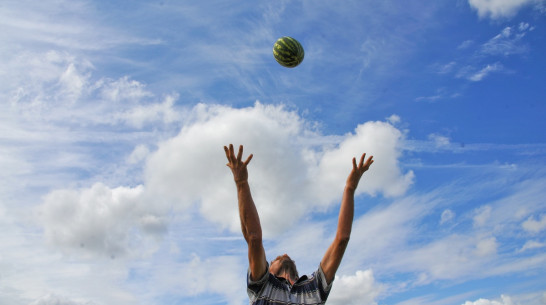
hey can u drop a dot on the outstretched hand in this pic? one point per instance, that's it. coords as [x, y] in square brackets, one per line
[356, 173]
[238, 168]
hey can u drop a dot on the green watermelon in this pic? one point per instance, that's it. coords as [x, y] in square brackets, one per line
[288, 52]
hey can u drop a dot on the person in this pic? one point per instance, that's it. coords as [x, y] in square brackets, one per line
[279, 282]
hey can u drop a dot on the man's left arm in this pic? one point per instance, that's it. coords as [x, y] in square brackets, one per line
[333, 256]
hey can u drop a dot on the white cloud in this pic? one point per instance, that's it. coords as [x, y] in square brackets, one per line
[535, 226]
[480, 75]
[59, 88]
[447, 68]
[220, 275]
[496, 9]
[381, 235]
[56, 279]
[451, 257]
[532, 244]
[73, 82]
[52, 299]
[141, 115]
[378, 139]
[533, 298]
[360, 288]
[447, 216]
[486, 246]
[439, 140]
[475, 253]
[99, 220]
[465, 44]
[508, 41]
[482, 215]
[139, 154]
[504, 300]
[62, 24]
[123, 89]
[286, 173]
[394, 119]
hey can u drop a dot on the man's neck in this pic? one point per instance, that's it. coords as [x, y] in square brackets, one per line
[287, 278]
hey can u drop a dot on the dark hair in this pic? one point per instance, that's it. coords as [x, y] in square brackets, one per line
[288, 266]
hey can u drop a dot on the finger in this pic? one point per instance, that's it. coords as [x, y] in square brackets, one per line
[231, 153]
[361, 163]
[369, 161]
[240, 153]
[248, 159]
[227, 153]
[354, 163]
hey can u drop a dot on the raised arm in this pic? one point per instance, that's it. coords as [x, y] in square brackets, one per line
[332, 258]
[250, 221]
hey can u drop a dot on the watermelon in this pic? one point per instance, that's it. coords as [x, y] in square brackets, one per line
[288, 52]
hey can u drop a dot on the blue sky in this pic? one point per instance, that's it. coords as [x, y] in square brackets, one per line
[113, 115]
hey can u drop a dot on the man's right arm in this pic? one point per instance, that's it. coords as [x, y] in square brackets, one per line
[248, 214]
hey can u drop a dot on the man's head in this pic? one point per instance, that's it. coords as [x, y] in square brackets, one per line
[284, 266]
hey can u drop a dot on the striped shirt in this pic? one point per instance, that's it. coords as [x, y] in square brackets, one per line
[272, 290]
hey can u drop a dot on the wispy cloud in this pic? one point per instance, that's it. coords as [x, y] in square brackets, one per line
[508, 42]
[471, 74]
[114, 188]
[532, 244]
[64, 24]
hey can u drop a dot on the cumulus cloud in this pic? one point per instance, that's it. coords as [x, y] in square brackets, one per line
[98, 220]
[496, 9]
[379, 139]
[534, 226]
[504, 300]
[394, 119]
[360, 288]
[287, 172]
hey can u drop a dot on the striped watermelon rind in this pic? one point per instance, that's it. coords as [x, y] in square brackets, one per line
[288, 52]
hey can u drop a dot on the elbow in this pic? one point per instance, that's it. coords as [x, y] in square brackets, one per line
[343, 239]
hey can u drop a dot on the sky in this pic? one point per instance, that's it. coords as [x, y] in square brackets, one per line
[114, 114]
